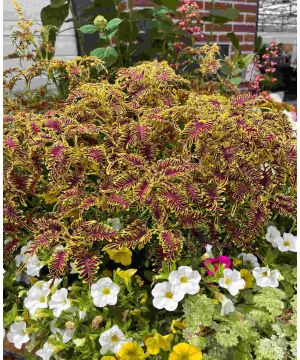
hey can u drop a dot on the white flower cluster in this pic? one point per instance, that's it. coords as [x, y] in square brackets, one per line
[181, 282]
[37, 298]
[287, 242]
[33, 264]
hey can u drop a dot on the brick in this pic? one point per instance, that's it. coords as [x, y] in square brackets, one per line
[225, 27]
[249, 37]
[224, 38]
[214, 38]
[246, 8]
[240, 18]
[251, 1]
[218, 6]
[247, 47]
[251, 18]
[244, 28]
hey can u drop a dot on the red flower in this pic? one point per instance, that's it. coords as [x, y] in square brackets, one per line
[216, 262]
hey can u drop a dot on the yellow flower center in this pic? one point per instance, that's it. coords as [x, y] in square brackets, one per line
[115, 338]
[105, 291]
[265, 274]
[286, 243]
[42, 299]
[228, 281]
[183, 279]
[169, 295]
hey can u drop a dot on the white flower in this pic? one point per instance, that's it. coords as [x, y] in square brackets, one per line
[66, 334]
[22, 277]
[275, 97]
[23, 257]
[112, 340]
[46, 351]
[272, 235]
[17, 334]
[227, 306]
[166, 296]
[115, 223]
[105, 292]
[37, 297]
[59, 302]
[287, 242]
[250, 259]
[265, 277]
[34, 266]
[186, 279]
[232, 281]
[208, 249]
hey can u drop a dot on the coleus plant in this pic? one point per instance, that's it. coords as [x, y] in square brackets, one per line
[175, 167]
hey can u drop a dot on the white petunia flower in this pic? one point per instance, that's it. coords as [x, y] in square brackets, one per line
[287, 243]
[265, 277]
[249, 259]
[23, 256]
[166, 296]
[272, 235]
[66, 334]
[232, 281]
[227, 306]
[46, 351]
[112, 340]
[59, 302]
[34, 266]
[186, 279]
[17, 334]
[105, 292]
[37, 297]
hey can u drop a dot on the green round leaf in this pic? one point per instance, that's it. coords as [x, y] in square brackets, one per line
[113, 24]
[107, 54]
[57, 3]
[88, 29]
[54, 16]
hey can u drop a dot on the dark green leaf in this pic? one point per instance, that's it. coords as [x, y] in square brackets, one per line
[222, 16]
[163, 11]
[113, 24]
[234, 40]
[88, 29]
[107, 54]
[57, 3]
[54, 16]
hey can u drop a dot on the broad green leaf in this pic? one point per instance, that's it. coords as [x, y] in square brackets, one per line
[236, 80]
[234, 40]
[163, 11]
[112, 34]
[9, 316]
[79, 341]
[225, 69]
[113, 24]
[57, 3]
[88, 29]
[54, 16]
[107, 54]
[222, 16]
[247, 59]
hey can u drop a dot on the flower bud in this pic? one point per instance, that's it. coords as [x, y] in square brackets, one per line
[100, 22]
[97, 321]
[70, 325]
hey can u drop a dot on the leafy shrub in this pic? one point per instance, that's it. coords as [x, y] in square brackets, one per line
[177, 168]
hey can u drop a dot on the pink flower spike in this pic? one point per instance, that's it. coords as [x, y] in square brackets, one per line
[216, 262]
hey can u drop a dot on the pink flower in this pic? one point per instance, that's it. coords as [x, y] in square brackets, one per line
[216, 262]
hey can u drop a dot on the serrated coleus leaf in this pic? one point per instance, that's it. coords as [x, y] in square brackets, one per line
[58, 263]
[171, 242]
[195, 128]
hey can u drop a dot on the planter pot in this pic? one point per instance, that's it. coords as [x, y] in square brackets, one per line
[11, 353]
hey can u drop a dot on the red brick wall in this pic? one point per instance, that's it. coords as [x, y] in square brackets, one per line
[244, 26]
